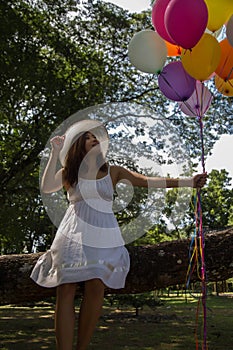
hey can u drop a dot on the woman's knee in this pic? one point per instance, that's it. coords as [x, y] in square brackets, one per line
[95, 286]
[66, 290]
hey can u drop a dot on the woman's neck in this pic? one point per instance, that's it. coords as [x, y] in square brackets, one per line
[90, 169]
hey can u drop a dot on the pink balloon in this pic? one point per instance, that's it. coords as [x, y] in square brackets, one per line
[175, 83]
[158, 13]
[229, 30]
[198, 103]
[186, 21]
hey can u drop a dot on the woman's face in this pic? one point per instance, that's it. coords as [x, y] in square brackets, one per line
[91, 142]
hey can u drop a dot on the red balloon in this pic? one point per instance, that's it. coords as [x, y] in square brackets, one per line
[158, 13]
[186, 21]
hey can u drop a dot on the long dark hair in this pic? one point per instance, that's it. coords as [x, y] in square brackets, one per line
[74, 158]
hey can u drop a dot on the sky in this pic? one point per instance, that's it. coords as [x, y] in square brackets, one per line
[132, 5]
[221, 157]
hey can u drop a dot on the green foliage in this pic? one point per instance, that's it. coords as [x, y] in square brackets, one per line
[58, 57]
[217, 207]
[137, 301]
[217, 200]
[52, 65]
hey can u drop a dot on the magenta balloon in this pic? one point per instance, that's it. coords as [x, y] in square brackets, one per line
[158, 13]
[175, 83]
[198, 103]
[186, 21]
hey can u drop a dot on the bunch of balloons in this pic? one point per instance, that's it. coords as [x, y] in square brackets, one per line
[189, 30]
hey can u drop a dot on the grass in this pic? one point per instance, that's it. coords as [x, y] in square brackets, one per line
[170, 326]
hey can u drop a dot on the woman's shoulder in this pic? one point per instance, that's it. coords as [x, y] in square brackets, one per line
[114, 171]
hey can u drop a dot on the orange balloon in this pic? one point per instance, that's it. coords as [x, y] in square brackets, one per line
[225, 67]
[201, 61]
[225, 87]
[173, 50]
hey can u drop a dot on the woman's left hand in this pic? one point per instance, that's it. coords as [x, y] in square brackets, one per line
[199, 180]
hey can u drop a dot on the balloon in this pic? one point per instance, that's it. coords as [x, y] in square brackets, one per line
[203, 59]
[158, 12]
[229, 30]
[225, 87]
[186, 21]
[173, 50]
[225, 67]
[175, 83]
[219, 12]
[198, 103]
[147, 51]
[216, 33]
[211, 76]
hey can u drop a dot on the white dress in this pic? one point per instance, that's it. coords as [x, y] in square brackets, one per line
[88, 243]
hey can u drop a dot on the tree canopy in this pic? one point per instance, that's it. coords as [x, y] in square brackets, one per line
[57, 58]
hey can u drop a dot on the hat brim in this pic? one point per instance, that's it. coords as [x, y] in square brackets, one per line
[79, 128]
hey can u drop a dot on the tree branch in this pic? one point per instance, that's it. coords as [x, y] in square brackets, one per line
[152, 267]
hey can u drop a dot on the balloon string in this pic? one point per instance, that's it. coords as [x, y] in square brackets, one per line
[203, 269]
[202, 143]
[197, 253]
[229, 75]
[199, 224]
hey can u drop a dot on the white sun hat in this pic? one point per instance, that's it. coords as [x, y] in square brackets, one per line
[79, 128]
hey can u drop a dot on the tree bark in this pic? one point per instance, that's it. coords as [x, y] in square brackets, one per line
[152, 267]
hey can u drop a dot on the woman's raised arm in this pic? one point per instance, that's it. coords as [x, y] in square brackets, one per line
[52, 180]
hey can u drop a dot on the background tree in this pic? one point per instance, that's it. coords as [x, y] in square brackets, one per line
[57, 57]
[217, 200]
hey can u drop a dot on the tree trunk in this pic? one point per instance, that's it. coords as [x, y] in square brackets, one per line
[152, 267]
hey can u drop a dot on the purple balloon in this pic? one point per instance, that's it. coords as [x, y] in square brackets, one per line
[175, 83]
[198, 103]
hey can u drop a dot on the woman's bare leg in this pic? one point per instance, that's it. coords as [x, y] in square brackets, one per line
[90, 311]
[65, 316]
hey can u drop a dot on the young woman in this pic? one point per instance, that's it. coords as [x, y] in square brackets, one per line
[88, 246]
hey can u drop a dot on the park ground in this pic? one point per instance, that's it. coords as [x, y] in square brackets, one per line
[170, 325]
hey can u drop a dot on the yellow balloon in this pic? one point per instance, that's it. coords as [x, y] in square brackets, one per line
[218, 33]
[202, 60]
[219, 12]
[225, 87]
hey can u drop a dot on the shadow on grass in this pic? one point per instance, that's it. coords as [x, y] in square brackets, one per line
[27, 327]
[168, 327]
